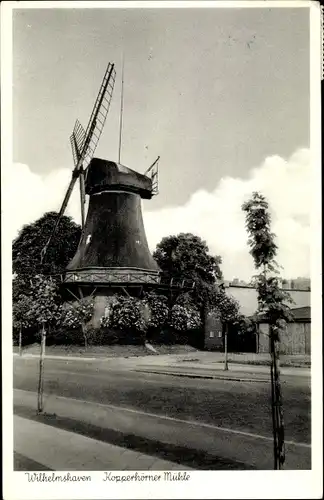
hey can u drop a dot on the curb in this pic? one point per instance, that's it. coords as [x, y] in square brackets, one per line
[72, 358]
[102, 358]
[210, 377]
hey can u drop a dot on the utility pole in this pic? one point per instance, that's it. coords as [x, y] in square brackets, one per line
[41, 371]
[121, 110]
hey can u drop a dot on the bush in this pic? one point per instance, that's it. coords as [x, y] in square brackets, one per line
[29, 336]
[242, 335]
[107, 336]
[21, 320]
[166, 335]
[158, 310]
[227, 306]
[77, 314]
[184, 318]
[126, 314]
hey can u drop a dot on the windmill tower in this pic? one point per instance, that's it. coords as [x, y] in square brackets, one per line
[113, 253]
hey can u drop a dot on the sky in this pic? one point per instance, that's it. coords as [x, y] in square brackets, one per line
[222, 95]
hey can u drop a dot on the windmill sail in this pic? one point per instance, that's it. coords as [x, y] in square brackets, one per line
[77, 140]
[98, 115]
[61, 212]
[84, 143]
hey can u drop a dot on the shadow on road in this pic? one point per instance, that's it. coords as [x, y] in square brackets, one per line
[178, 454]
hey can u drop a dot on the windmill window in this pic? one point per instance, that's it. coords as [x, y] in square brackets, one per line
[88, 239]
[211, 335]
[219, 334]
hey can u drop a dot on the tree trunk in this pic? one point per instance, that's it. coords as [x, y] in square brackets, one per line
[277, 407]
[20, 340]
[41, 371]
[225, 346]
[83, 328]
[257, 342]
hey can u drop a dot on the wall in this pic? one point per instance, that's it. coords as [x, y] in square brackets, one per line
[248, 298]
[296, 339]
[101, 301]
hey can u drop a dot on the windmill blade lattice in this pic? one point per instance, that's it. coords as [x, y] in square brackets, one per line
[84, 144]
[98, 116]
[77, 141]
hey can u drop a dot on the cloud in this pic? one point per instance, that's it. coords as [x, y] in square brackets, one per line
[28, 195]
[215, 215]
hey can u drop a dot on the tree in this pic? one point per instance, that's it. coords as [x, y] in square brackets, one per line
[227, 306]
[245, 326]
[20, 287]
[46, 312]
[20, 313]
[187, 256]
[26, 248]
[46, 309]
[272, 300]
[77, 315]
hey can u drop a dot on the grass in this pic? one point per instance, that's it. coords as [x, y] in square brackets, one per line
[106, 351]
[194, 356]
[286, 360]
[262, 359]
[240, 405]
[283, 362]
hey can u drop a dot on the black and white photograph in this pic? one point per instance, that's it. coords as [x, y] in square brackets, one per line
[161, 241]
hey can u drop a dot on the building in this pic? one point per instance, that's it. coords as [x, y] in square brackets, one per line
[295, 339]
[247, 296]
[297, 284]
[213, 332]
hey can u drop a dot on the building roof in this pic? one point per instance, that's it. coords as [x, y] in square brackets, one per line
[104, 175]
[299, 314]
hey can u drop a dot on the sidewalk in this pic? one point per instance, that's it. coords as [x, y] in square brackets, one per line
[197, 444]
[235, 372]
[58, 449]
[204, 373]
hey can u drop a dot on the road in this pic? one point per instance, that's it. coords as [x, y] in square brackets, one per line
[240, 407]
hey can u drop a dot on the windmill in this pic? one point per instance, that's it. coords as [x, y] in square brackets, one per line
[113, 249]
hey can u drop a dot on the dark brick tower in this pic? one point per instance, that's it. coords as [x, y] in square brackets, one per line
[113, 250]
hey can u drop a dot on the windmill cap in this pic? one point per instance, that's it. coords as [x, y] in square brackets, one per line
[105, 175]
